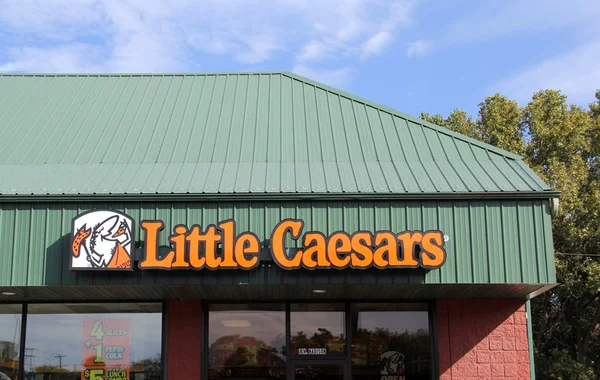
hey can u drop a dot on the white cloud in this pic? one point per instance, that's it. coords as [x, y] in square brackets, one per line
[149, 36]
[332, 77]
[495, 19]
[313, 51]
[71, 58]
[376, 44]
[575, 73]
[418, 48]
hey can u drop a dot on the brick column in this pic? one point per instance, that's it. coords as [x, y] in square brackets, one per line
[482, 339]
[184, 343]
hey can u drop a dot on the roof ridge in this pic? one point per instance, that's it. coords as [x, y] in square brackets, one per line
[191, 73]
[408, 117]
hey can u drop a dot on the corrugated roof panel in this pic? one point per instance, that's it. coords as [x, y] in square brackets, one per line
[288, 177]
[269, 129]
[47, 132]
[378, 183]
[393, 181]
[301, 140]
[443, 161]
[173, 124]
[255, 145]
[243, 178]
[228, 177]
[362, 177]
[182, 183]
[332, 177]
[169, 178]
[302, 177]
[18, 120]
[258, 177]
[153, 182]
[273, 177]
[318, 183]
[483, 159]
[347, 178]
[231, 114]
[213, 178]
[474, 167]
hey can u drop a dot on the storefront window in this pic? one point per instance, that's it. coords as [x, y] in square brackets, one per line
[10, 336]
[246, 341]
[390, 340]
[317, 329]
[120, 341]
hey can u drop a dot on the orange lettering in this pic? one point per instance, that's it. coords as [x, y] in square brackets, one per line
[408, 242]
[361, 243]
[151, 247]
[247, 244]
[210, 249]
[178, 240]
[339, 243]
[228, 229]
[433, 255]
[293, 226]
[194, 238]
[314, 243]
[383, 256]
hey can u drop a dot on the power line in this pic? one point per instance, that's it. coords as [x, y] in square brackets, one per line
[30, 356]
[577, 254]
[60, 357]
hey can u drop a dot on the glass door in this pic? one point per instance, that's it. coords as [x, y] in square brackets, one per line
[317, 370]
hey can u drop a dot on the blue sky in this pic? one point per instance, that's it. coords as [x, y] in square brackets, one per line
[411, 55]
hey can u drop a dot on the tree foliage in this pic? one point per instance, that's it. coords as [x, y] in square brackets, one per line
[561, 142]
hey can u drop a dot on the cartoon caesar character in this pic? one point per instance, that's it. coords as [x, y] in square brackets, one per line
[391, 363]
[107, 242]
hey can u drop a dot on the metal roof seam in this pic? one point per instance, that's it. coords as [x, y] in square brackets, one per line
[6, 140]
[30, 144]
[110, 117]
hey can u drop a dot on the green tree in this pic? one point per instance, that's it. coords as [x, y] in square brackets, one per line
[561, 142]
[457, 121]
[499, 123]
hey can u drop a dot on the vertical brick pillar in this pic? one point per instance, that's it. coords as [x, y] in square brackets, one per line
[482, 339]
[184, 343]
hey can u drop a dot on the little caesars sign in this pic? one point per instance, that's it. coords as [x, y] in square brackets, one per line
[103, 240]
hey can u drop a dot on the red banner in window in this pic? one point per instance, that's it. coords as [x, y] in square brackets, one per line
[105, 349]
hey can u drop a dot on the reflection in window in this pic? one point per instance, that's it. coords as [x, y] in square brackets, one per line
[317, 329]
[10, 336]
[390, 339]
[246, 341]
[120, 341]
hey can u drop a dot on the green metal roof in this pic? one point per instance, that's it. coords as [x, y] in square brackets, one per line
[242, 133]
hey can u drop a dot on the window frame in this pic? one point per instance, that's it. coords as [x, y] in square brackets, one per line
[346, 359]
[25, 313]
[21, 335]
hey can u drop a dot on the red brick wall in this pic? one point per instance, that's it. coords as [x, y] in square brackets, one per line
[482, 339]
[184, 339]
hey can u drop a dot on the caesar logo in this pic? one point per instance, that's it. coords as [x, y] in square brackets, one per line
[391, 365]
[102, 240]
